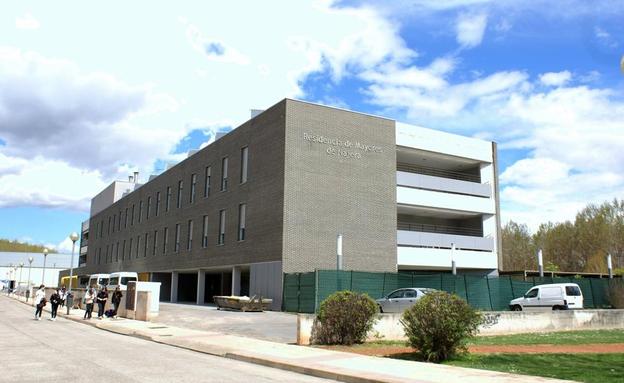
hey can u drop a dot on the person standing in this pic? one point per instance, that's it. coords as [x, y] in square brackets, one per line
[102, 297]
[40, 301]
[55, 301]
[63, 295]
[116, 299]
[89, 297]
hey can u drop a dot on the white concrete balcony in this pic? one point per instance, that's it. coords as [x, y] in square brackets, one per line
[442, 240]
[445, 201]
[429, 182]
[440, 259]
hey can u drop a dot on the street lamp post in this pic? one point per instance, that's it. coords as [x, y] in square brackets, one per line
[45, 255]
[21, 267]
[74, 237]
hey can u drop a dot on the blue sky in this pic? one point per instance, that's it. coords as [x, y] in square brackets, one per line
[90, 93]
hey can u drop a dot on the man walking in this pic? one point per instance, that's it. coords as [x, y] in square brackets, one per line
[55, 300]
[102, 297]
[89, 297]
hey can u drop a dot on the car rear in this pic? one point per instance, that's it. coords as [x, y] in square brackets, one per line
[573, 297]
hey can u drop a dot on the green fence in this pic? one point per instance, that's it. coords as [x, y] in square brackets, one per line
[304, 291]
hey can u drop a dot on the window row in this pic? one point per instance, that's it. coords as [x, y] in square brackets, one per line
[148, 243]
[115, 221]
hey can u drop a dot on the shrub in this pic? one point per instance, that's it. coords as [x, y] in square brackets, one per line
[344, 317]
[439, 324]
[615, 294]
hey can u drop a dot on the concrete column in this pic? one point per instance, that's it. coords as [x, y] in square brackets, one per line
[201, 286]
[236, 280]
[174, 286]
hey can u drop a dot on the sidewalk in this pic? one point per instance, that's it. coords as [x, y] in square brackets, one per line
[342, 366]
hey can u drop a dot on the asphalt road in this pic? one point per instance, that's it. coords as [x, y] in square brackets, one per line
[66, 351]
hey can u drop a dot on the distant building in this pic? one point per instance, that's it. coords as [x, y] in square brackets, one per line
[272, 196]
[55, 263]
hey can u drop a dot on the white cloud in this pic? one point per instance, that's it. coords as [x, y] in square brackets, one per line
[214, 49]
[27, 21]
[555, 78]
[470, 29]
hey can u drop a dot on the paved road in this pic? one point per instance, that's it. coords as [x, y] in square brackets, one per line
[66, 351]
[269, 325]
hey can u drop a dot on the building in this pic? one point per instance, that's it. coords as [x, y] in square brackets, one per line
[54, 263]
[273, 195]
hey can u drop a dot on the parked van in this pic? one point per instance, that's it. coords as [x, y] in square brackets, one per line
[98, 280]
[121, 279]
[556, 296]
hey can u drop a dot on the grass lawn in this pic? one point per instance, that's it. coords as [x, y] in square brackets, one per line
[565, 337]
[599, 368]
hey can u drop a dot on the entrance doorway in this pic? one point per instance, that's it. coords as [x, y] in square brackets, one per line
[165, 285]
[187, 287]
[217, 284]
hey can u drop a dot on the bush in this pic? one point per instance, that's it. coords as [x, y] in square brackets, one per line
[344, 317]
[439, 324]
[615, 294]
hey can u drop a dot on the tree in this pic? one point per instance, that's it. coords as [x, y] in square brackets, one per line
[518, 249]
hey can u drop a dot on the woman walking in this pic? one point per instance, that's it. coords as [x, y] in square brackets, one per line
[55, 301]
[40, 301]
[63, 294]
[89, 297]
[102, 297]
[116, 300]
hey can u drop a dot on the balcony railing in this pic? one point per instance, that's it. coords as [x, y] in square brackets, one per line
[438, 172]
[427, 228]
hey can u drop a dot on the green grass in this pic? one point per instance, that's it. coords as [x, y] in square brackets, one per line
[565, 337]
[599, 368]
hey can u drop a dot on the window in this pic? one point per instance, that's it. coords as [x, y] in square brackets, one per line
[176, 246]
[180, 186]
[396, 295]
[154, 242]
[130, 249]
[168, 198]
[114, 222]
[138, 246]
[140, 210]
[224, 175]
[146, 245]
[573, 291]
[126, 219]
[189, 237]
[221, 239]
[119, 221]
[410, 294]
[108, 229]
[149, 207]
[101, 228]
[208, 172]
[242, 210]
[132, 216]
[531, 294]
[205, 232]
[123, 251]
[106, 255]
[157, 203]
[99, 256]
[193, 184]
[243, 169]
[117, 252]
[165, 239]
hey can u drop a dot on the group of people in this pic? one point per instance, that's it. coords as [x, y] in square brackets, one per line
[59, 296]
[100, 298]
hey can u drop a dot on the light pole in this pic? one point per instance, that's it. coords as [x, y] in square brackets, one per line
[540, 263]
[21, 267]
[74, 237]
[453, 265]
[45, 255]
[339, 252]
[30, 261]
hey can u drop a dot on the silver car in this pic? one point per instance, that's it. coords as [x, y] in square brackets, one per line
[401, 299]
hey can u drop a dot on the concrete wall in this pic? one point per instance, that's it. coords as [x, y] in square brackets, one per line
[335, 186]
[388, 326]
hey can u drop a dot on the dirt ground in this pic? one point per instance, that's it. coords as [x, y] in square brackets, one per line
[529, 349]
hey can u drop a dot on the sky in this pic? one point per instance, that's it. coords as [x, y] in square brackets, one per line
[90, 92]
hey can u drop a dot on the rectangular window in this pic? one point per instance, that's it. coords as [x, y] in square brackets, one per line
[117, 252]
[205, 232]
[176, 245]
[224, 173]
[221, 239]
[207, 174]
[106, 255]
[180, 187]
[146, 244]
[108, 229]
[149, 207]
[114, 221]
[243, 170]
[193, 185]
[157, 203]
[189, 237]
[138, 246]
[130, 249]
[242, 210]
[154, 242]
[140, 210]
[123, 251]
[132, 216]
[126, 219]
[99, 256]
[168, 198]
[165, 239]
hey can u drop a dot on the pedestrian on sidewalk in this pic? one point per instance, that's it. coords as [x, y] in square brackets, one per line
[117, 294]
[40, 301]
[102, 297]
[55, 301]
[89, 297]
[63, 295]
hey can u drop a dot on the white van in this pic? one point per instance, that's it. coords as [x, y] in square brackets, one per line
[121, 279]
[556, 296]
[98, 280]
